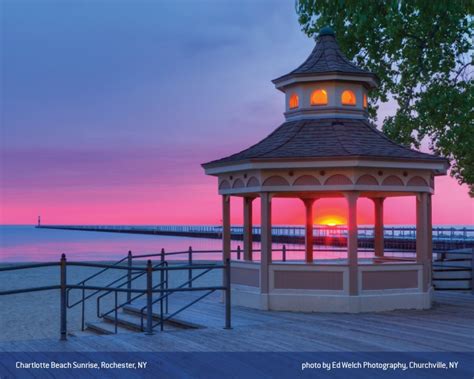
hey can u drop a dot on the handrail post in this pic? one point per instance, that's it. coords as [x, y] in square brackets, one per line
[283, 253]
[190, 270]
[227, 295]
[149, 299]
[238, 252]
[83, 307]
[163, 264]
[162, 279]
[63, 298]
[129, 277]
[472, 271]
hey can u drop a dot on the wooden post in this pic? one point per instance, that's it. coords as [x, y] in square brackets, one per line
[378, 228]
[248, 237]
[352, 242]
[266, 241]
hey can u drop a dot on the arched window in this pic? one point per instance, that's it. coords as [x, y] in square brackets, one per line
[294, 101]
[348, 98]
[319, 97]
[365, 101]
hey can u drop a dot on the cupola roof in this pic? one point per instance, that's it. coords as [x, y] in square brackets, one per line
[326, 58]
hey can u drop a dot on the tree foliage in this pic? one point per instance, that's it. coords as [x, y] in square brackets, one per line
[422, 52]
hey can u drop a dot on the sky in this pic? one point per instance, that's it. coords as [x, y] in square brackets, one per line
[108, 108]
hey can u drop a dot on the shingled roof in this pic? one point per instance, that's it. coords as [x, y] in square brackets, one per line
[325, 58]
[325, 138]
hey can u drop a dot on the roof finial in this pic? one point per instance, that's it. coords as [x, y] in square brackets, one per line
[326, 31]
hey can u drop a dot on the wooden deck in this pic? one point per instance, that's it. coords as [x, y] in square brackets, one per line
[448, 326]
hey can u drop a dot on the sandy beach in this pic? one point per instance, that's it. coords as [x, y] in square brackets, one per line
[35, 315]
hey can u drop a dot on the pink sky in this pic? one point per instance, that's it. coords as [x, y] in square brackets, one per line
[135, 190]
[117, 135]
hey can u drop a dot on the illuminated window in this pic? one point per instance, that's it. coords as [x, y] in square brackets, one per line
[365, 101]
[294, 101]
[319, 97]
[348, 98]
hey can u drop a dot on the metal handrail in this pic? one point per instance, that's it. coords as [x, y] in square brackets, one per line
[33, 265]
[101, 315]
[64, 287]
[31, 289]
[138, 275]
[96, 292]
[167, 295]
[169, 317]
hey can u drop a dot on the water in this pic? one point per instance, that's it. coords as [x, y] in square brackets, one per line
[28, 244]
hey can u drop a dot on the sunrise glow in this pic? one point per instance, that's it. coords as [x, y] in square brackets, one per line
[331, 220]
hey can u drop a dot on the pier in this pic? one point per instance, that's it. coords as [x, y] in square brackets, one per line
[395, 237]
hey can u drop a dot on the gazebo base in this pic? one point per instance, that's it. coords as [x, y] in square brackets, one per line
[315, 287]
[312, 302]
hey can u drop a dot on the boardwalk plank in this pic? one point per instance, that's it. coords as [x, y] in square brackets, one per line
[448, 326]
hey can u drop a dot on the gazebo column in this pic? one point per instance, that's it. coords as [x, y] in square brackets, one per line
[225, 227]
[378, 228]
[265, 241]
[352, 242]
[429, 258]
[309, 240]
[423, 236]
[248, 253]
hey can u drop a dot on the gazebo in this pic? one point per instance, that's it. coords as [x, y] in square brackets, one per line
[327, 148]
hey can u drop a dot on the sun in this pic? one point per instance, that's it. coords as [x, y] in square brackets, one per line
[331, 220]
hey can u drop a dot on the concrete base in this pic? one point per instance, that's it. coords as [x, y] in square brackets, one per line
[340, 303]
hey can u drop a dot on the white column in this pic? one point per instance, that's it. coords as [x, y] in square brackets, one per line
[308, 204]
[266, 240]
[423, 236]
[429, 258]
[378, 227]
[248, 253]
[225, 227]
[352, 242]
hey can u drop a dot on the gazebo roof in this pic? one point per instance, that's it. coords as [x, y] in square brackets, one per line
[326, 58]
[325, 138]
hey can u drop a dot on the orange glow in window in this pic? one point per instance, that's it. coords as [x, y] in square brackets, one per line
[348, 98]
[319, 97]
[294, 101]
[365, 101]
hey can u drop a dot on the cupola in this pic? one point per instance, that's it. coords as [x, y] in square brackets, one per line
[327, 84]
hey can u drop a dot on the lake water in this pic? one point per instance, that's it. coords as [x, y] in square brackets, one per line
[28, 244]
